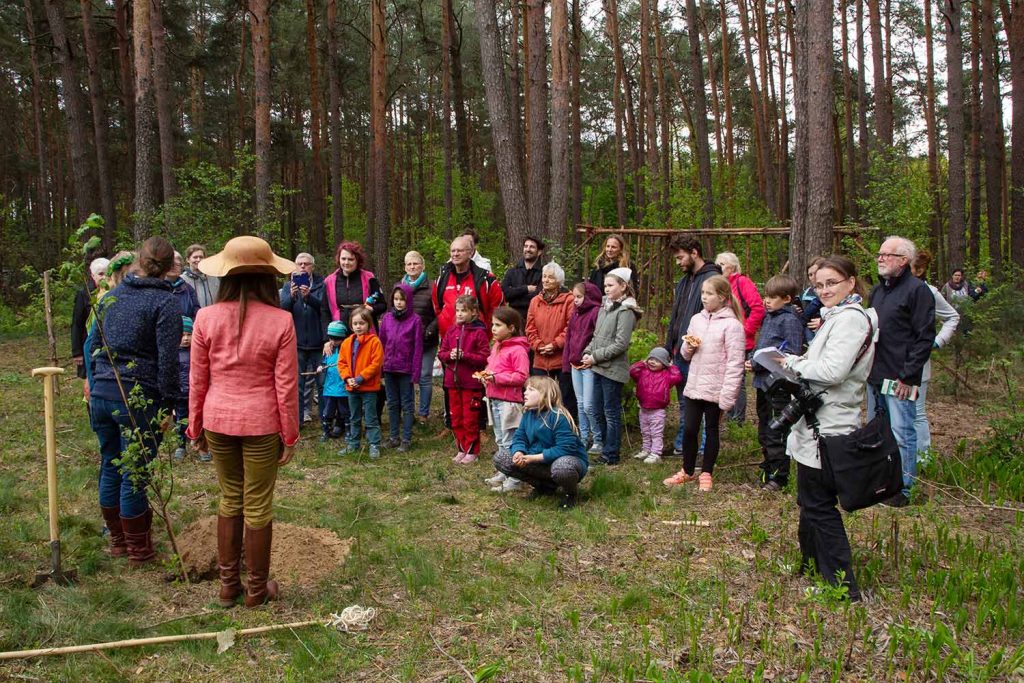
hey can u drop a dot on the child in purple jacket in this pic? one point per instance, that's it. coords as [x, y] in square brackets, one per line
[655, 376]
[401, 333]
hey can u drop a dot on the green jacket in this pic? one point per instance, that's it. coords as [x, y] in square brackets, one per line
[610, 345]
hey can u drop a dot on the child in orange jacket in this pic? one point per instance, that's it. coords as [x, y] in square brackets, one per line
[360, 363]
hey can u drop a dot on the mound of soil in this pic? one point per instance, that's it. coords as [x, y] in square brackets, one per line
[300, 556]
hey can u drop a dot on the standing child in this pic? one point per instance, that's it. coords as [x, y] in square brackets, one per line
[586, 298]
[655, 376]
[606, 356]
[782, 328]
[464, 352]
[546, 450]
[714, 345]
[507, 369]
[360, 361]
[401, 332]
[334, 406]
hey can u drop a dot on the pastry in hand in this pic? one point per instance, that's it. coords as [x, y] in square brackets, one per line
[692, 340]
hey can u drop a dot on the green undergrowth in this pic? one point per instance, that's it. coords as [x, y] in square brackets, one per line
[635, 584]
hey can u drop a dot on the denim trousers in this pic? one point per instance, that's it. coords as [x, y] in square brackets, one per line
[362, 405]
[684, 367]
[427, 380]
[583, 387]
[400, 404]
[901, 418]
[608, 410]
[112, 422]
[309, 361]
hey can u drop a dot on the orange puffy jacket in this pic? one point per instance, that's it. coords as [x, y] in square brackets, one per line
[367, 362]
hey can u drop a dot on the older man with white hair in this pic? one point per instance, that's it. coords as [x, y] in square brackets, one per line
[906, 333]
[302, 295]
[80, 313]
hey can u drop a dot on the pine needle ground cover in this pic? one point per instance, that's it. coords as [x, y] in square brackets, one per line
[637, 583]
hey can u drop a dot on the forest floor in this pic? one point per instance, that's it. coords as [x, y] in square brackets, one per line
[637, 583]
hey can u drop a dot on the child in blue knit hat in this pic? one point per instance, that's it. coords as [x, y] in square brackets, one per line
[334, 412]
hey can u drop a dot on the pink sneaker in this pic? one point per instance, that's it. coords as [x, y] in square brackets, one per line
[458, 457]
[705, 483]
[468, 458]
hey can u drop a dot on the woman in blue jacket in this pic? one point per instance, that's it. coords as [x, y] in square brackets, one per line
[546, 451]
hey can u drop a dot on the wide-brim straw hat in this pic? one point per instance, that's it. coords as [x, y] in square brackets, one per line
[246, 254]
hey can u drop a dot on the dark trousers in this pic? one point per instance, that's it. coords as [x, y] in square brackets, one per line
[334, 415]
[564, 380]
[775, 466]
[565, 472]
[710, 413]
[400, 404]
[309, 359]
[821, 531]
[181, 420]
[608, 414]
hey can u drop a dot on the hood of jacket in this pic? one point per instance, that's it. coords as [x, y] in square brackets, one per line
[591, 297]
[408, 292]
[513, 342]
[140, 282]
[628, 303]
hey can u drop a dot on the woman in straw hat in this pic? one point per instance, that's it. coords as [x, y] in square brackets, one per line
[243, 406]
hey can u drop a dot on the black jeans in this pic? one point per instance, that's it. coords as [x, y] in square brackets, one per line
[821, 531]
[775, 466]
[711, 413]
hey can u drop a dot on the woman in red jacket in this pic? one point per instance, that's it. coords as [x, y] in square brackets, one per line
[243, 406]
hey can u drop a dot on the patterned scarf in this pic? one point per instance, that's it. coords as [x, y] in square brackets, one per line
[850, 300]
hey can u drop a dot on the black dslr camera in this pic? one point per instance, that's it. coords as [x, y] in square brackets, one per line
[805, 401]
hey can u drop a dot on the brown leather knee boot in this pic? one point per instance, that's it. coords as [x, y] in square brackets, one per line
[139, 539]
[112, 518]
[257, 560]
[229, 559]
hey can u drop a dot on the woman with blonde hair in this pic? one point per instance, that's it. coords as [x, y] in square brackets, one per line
[546, 451]
[614, 254]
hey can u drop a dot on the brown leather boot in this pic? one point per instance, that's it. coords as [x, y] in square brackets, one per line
[229, 559]
[138, 538]
[112, 518]
[257, 559]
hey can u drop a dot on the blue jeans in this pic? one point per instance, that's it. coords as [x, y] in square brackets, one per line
[924, 433]
[427, 380]
[400, 404]
[583, 386]
[608, 411]
[309, 361]
[901, 418]
[362, 405]
[684, 367]
[117, 489]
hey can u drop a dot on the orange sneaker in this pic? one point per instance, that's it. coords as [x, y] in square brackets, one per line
[704, 485]
[679, 478]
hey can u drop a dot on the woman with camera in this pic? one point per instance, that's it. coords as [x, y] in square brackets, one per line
[835, 366]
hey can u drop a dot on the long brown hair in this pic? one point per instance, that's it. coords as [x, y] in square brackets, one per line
[245, 287]
[623, 261]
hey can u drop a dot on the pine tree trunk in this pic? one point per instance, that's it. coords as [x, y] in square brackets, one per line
[446, 112]
[1013, 20]
[334, 84]
[851, 159]
[126, 76]
[164, 106]
[42, 202]
[538, 136]
[612, 31]
[380, 217]
[955, 132]
[99, 127]
[785, 208]
[974, 220]
[700, 117]
[716, 111]
[665, 115]
[727, 86]
[650, 100]
[145, 121]
[863, 136]
[992, 137]
[558, 209]
[317, 236]
[760, 132]
[196, 80]
[75, 112]
[883, 98]
[503, 122]
[938, 246]
[576, 122]
[259, 25]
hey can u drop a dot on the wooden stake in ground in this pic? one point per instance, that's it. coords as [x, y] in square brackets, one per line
[51, 338]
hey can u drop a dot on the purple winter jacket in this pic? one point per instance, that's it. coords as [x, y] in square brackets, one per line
[581, 326]
[402, 337]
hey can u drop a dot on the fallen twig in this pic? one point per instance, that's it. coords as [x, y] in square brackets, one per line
[453, 660]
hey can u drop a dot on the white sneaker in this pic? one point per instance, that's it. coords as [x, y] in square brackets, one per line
[496, 479]
[641, 455]
[652, 459]
[509, 485]
[596, 449]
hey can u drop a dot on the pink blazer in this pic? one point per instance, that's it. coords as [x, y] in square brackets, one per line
[248, 385]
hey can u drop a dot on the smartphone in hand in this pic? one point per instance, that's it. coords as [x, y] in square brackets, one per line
[301, 279]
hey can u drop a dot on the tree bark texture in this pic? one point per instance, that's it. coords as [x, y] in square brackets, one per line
[992, 136]
[956, 182]
[538, 142]
[1015, 38]
[700, 116]
[42, 201]
[380, 217]
[317, 236]
[145, 121]
[334, 84]
[883, 97]
[99, 126]
[558, 209]
[259, 25]
[164, 106]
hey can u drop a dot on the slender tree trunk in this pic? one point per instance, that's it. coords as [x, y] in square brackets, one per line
[164, 106]
[612, 30]
[650, 100]
[727, 85]
[1013, 20]
[576, 123]
[145, 121]
[317, 236]
[503, 121]
[716, 111]
[760, 133]
[665, 114]
[558, 210]
[538, 136]
[43, 215]
[863, 136]
[126, 75]
[883, 100]
[334, 84]
[517, 21]
[259, 25]
[380, 217]
[446, 108]
[992, 137]
[933, 143]
[459, 104]
[851, 159]
[785, 208]
[99, 127]
[75, 112]
[955, 131]
[700, 116]
[197, 78]
[974, 221]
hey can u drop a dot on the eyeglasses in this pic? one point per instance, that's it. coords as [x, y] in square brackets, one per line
[888, 255]
[828, 284]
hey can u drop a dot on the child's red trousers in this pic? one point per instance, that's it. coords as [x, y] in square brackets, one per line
[466, 407]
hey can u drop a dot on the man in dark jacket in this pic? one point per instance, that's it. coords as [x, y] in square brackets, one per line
[304, 301]
[522, 282]
[906, 333]
[686, 303]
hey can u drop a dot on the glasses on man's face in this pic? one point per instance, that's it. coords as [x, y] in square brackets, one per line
[889, 255]
[827, 284]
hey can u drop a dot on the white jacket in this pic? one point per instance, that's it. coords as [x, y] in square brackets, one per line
[831, 365]
[950, 320]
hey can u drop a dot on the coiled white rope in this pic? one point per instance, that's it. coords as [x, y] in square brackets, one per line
[353, 618]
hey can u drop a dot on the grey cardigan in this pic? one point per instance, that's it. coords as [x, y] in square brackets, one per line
[612, 332]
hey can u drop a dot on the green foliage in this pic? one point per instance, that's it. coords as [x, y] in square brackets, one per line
[898, 201]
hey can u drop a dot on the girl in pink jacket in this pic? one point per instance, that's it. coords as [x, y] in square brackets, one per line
[508, 366]
[714, 345]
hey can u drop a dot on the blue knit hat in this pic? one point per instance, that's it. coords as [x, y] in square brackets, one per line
[337, 330]
[186, 324]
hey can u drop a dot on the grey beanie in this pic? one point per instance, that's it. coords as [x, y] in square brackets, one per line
[659, 354]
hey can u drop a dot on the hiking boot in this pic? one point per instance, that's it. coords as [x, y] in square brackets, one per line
[392, 442]
[112, 518]
[260, 589]
[229, 559]
[404, 446]
[139, 538]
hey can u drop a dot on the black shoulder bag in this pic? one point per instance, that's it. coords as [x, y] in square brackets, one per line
[864, 465]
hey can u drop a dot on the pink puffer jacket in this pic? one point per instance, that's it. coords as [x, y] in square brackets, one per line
[716, 368]
[654, 389]
[510, 363]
